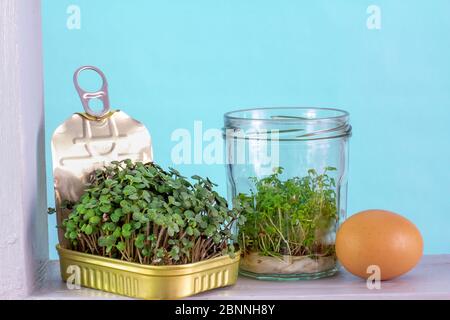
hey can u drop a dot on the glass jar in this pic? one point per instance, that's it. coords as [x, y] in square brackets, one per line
[287, 168]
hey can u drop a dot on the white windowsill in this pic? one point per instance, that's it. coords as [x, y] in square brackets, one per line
[429, 280]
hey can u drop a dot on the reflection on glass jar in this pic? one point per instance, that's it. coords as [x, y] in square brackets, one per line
[287, 168]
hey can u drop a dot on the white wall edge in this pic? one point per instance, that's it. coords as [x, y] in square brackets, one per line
[23, 217]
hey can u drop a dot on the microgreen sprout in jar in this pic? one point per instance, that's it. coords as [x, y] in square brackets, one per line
[287, 220]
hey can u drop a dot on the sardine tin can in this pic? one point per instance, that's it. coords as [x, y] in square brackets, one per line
[146, 281]
[90, 140]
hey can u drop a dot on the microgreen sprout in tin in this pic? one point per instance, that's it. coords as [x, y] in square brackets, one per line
[142, 213]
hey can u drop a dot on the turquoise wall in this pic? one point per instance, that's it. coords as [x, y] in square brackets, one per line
[170, 63]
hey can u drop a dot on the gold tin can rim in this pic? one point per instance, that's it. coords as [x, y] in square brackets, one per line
[149, 270]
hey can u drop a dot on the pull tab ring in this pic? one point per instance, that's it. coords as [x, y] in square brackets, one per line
[85, 96]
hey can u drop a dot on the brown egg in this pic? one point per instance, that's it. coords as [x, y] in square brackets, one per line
[381, 238]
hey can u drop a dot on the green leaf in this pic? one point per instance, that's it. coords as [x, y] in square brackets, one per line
[89, 214]
[133, 196]
[94, 220]
[80, 209]
[102, 242]
[120, 246]
[160, 253]
[139, 241]
[128, 190]
[146, 196]
[105, 208]
[174, 253]
[118, 232]
[124, 203]
[115, 217]
[146, 252]
[137, 216]
[88, 229]
[73, 235]
[126, 230]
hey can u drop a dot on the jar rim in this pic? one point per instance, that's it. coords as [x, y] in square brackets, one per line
[342, 114]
